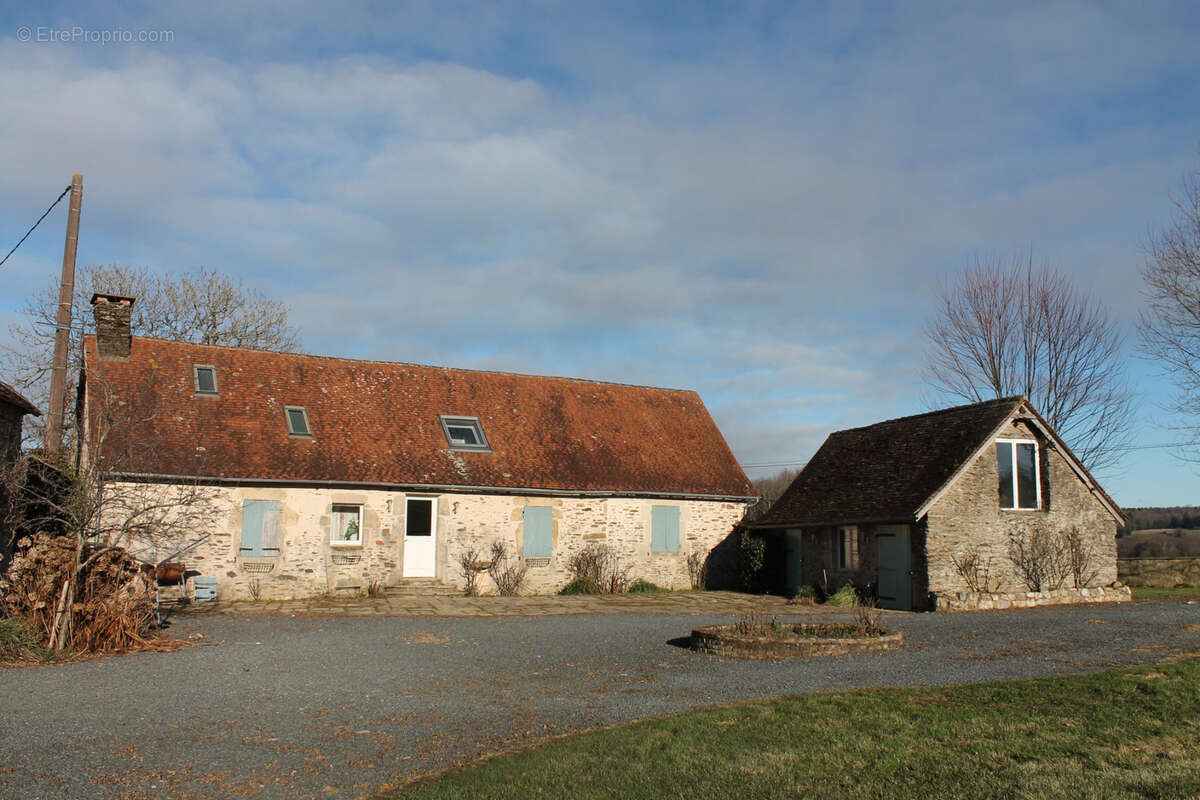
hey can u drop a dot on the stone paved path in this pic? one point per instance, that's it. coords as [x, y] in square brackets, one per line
[432, 606]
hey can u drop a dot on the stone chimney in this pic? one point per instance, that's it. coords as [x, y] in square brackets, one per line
[113, 335]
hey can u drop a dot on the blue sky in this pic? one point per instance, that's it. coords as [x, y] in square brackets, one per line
[754, 200]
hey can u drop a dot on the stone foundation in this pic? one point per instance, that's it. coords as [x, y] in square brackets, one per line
[723, 640]
[972, 601]
[1165, 573]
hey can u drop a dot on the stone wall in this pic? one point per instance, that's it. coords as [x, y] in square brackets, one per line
[969, 517]
[973, 601]
[1160, 572]
[308, 564]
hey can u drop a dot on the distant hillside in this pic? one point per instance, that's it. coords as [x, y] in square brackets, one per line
[1160, 517]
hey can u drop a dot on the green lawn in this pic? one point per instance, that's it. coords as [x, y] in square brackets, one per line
[1126, 733]
[1156, 593]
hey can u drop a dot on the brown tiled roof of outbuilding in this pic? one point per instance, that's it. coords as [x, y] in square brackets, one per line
[886, 471]
[376, 423]
[12, 397]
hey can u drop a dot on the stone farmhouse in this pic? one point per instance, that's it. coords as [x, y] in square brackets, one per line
[333, 474]
[923, 511]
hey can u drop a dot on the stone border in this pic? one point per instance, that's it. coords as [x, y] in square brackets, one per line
[722, 640]
[983, 601]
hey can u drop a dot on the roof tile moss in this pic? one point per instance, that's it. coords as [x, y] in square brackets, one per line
[376, 422]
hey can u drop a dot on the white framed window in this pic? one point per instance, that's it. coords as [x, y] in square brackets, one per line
[1020, 473]
[205, 378]
[845, 547]
[464, 433]
[297, 421]
[345, 529]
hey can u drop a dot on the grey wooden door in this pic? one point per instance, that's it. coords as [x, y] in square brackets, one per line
[894, 581]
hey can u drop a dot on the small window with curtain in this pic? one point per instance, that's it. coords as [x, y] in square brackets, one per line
[845, 548]
[1019, 472]
[346, 526]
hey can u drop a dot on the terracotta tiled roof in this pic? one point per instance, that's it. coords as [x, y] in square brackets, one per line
[377, 423]
[12, 397]
[888, 470]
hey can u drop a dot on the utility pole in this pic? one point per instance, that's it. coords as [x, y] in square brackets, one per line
[62, 328]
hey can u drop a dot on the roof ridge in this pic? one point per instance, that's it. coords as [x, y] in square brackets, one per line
[511, 373]
[1013, 399]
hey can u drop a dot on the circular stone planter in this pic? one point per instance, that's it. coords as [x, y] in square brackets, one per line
[806, 640]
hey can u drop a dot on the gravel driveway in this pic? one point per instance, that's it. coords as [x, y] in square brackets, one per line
[299, 707]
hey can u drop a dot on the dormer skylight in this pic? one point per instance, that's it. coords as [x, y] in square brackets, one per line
[205, 379]
[464, 433]
[297, 421]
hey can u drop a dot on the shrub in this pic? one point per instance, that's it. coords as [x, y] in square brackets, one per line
[866, 621]
[18, 642]
[806, 595]
[697, 564]
[580, 586]
[471, 565]
[600, 565]
[976, 572]
[507, 573]
[642, 586]
[845, 597]
[758, 625]
[752, 553]
[1040, 558]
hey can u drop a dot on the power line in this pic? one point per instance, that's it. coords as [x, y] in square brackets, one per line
[39, 222]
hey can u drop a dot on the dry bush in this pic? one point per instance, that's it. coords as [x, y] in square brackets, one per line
[114, 602]
[1079, 558]
[375, 589]
[472, 564]
[866, 619]
[598, 564]
[697, 564]
[1039, 558]
[757, 625]
[255, 588]
[975, 571]
[507, 573]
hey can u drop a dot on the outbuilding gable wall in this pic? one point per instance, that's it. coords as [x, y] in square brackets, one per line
[309, 565]
[968, 517]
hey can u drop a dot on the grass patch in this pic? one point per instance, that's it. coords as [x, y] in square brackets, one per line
[642, 586]
[581, 586]
[1121, 734]
[19, 644]
[846, 597]
[1161, 593]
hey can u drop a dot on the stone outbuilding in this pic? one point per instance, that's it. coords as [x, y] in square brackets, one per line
[13, 409]
[340, 475]
[980, 505]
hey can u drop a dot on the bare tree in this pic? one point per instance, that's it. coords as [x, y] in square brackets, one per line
[1170, 325]
[98, 521]
[769, 489]
[203, 306]
[1012, 328]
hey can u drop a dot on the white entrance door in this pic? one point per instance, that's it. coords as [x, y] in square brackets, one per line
[420, 537]
[894, 582]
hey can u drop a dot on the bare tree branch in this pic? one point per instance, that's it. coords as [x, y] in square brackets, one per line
[203, 306]
[1170, 325]
[1012, 328]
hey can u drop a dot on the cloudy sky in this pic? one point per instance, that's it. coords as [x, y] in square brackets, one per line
[754, 200]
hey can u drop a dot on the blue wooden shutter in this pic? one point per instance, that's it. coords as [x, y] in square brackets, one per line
[539, 531]
[260, 528]
[664, 529]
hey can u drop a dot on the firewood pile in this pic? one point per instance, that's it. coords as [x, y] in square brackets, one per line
[113, 607]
